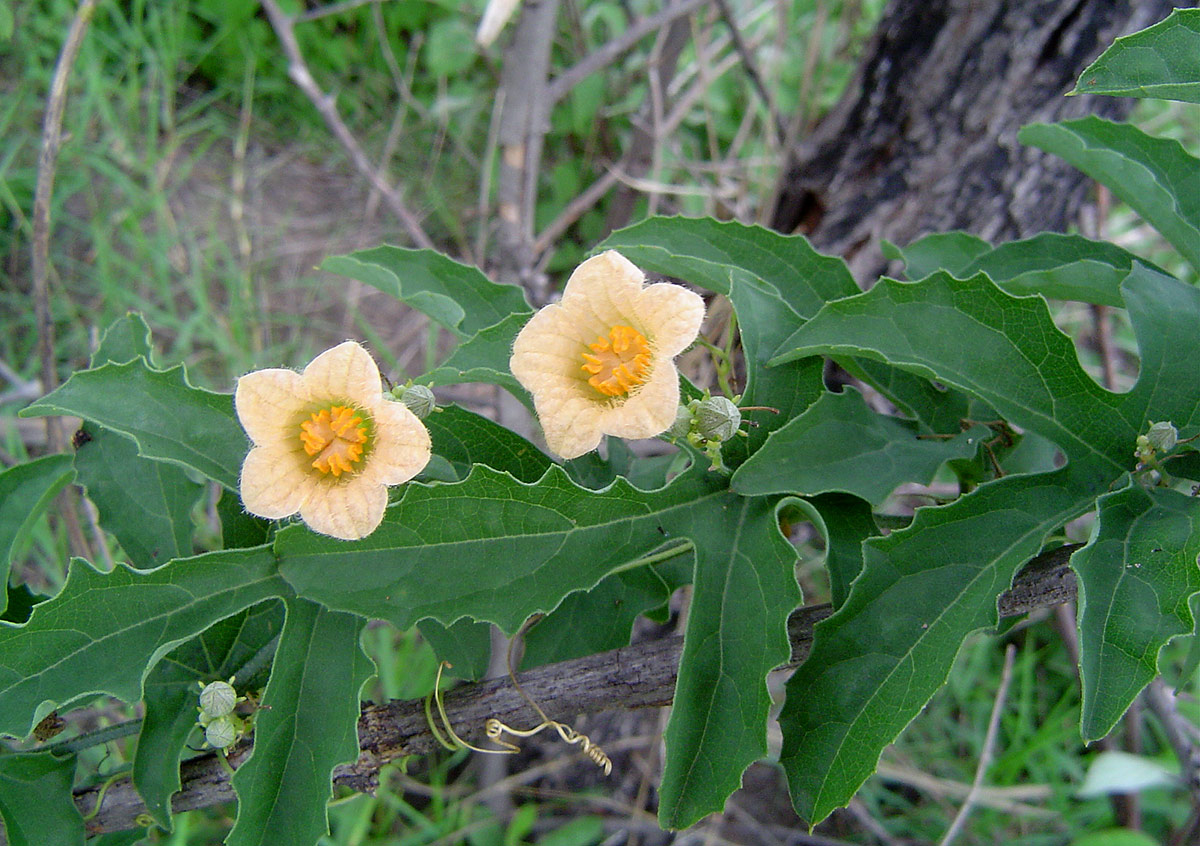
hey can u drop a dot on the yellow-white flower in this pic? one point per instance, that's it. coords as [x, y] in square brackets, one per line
[601, 360]
[326, 443]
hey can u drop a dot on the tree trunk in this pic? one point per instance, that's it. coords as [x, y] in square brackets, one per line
[925, 137]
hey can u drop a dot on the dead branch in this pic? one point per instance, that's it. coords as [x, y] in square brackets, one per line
[601, 58]
[284, 26]
[524, 107]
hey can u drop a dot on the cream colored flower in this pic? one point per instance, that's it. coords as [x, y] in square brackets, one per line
[601, 361]
[326, 443]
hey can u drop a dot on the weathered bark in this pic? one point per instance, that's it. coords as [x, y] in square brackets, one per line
[925, 137]
[638, 676]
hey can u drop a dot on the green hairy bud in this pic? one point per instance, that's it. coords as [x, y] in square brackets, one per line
[217, 699]
[418, 399]
[717, 419]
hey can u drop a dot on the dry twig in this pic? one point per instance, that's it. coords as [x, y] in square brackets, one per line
[988, 751]
[47, 165]
[284, 26]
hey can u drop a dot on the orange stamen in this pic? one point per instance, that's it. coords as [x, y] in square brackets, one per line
[620, 362]
[336, 436]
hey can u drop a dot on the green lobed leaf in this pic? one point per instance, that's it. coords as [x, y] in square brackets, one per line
[1155, 176]
[26, 490]
[490, 547]
[169, 419]
[171, 696]
[845, 521]
[1164, 313]
[745, 588]
[484, 358]
[971, 335]
[890, 646]
[949, 251]
[597, 620]
[308, 724]
[36, 801]
[877, 660]
[1064, 267]
[841, 444]
[125, 339]
[147, 505]
[464, 438]
[702, 251]
[1136, 575]
[1160, 61]
[467, 645]
[452, 294]
[102, 632]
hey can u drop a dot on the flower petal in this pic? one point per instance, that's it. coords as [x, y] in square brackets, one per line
[267, 402]
[350, 510]
[345, 372]
[549, 347]
[651, 410]
[672, 314]
[402, 446]
[274, 484]
[571, 422]
[601, 294]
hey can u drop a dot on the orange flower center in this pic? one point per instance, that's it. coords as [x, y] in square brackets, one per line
[335, 436]
[618, 363]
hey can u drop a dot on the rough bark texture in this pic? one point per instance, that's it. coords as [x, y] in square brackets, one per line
[638, 676]
[925, 137]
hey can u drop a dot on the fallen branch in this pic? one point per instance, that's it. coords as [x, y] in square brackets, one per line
[637, 676]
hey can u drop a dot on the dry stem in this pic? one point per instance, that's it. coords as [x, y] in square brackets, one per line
[284, 26]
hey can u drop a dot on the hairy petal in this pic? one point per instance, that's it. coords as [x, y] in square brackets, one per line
[267, 402]
[273, 483]
[402, 446]
[346, 371]
[650, 411]
[349, 510]
[674, 312]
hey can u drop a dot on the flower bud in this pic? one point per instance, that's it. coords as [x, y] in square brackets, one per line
[717, 419]
[221, 733]
[1163, 436]
[682, 424]
[217, 699]
[418, 399]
